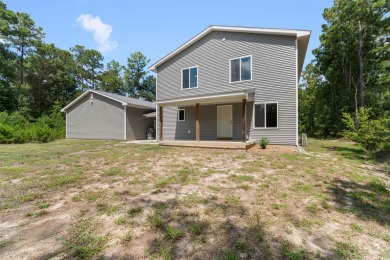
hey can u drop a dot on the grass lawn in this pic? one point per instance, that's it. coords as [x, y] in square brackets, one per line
[85, 199]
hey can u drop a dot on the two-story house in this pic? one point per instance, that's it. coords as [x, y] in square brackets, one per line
[231, 84]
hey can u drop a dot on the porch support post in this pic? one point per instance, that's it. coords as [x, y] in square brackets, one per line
[197, 123]
[244, 120]
[161, 123]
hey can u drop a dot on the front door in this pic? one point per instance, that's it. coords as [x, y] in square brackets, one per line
[225, 122]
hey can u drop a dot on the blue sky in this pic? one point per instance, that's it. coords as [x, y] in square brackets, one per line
[120, 27]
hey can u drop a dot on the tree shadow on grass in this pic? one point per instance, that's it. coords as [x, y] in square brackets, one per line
[352, 153]
[357, 152]
[224, 236]
[368, 201]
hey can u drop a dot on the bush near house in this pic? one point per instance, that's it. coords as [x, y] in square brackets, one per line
[264, 142]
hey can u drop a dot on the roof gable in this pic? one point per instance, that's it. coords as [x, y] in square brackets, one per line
[125, 101]
[302, 38]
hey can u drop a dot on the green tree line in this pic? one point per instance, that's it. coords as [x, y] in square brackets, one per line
[38, 78]
[345, 90]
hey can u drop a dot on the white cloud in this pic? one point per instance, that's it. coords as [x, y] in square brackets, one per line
[101, 32]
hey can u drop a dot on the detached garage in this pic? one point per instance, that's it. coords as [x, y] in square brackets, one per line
[101, 115]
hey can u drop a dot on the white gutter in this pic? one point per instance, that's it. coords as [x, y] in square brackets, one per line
[202, 98]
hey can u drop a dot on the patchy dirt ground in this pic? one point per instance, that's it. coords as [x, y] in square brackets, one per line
[105, 199]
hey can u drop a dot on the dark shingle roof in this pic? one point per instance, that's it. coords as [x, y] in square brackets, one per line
[126, 101]
[130, 101]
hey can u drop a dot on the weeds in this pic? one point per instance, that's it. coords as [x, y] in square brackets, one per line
[347, 251]
[127, 236]
[83, 241]
[195, 229]
[120, 221]
[173, 233]
[289, 252]
[241, 178]
[155, 220]
[133, 212]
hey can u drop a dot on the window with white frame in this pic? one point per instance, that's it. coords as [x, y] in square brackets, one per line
[189, 78]
[241, 69]
[265, 115]
[181, 114]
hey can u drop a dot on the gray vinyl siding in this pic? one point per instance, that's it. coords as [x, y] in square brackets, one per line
[136, 124]
[102, 119]
[273, 77]
[179, 130]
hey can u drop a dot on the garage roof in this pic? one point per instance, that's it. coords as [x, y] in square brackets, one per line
[126, 101]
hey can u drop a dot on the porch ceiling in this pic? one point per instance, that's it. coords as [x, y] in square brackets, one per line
[207, 99]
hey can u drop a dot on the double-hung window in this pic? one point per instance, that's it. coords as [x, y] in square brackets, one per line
[189, 78]
[241, 69]
[265, 115]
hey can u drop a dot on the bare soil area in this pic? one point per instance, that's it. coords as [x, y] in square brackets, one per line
[109, 200]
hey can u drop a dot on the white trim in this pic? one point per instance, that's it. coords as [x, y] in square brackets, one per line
[230, 69]
[86, 93]
[125, 119]
[265, 114]
[66, 124]
[189, 77]
[197, 98]
[296, 92]
[156, 85]
[231, 118]
[157, 111]
[297, 33]
[158, 123]
[178, 115]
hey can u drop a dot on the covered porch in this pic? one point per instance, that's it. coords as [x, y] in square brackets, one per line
[211, 144]
[217, 120]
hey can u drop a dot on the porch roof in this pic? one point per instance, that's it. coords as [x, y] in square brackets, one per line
[214, 98]
[150, 115]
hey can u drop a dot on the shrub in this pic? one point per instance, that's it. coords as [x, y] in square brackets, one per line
[14, 128]
[373, 134]
[264, 142]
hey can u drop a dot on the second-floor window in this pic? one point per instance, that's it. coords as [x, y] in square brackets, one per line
[241, 69]
[189, 78]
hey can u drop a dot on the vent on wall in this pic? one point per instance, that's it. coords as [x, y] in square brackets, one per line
[91, 98]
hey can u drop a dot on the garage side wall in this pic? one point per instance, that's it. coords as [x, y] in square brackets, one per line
[136, 123]
[101, 119]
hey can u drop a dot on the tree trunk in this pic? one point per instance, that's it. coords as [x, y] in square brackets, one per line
[22, 65]
[361, 66]
[93, 78]
[357, 121]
